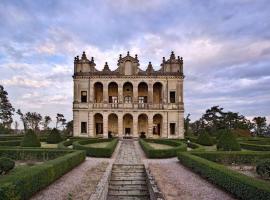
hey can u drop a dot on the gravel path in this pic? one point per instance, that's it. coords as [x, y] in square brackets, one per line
[178, 182]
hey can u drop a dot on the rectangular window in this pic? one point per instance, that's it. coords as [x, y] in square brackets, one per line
[172, 128]
[83, 127]
[83, 96]
[128, 99]
[113, 99]
[172, 97]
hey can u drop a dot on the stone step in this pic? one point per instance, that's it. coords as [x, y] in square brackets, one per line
[128, 187]
[140, 174]
[128, 166]
[128, 192]
[127, 182]
[128, 198]
[126, 178]
[128, 171]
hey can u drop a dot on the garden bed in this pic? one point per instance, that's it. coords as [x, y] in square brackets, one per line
[96, 151]
[152, 152]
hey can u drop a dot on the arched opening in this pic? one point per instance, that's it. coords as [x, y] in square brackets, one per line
[112, 125]
[128, 92]
[113, 93]
[98, 124]
[157, 93]
[142, 125]
[128, 124]
[157, 124]
[98, 92]
[142, 94]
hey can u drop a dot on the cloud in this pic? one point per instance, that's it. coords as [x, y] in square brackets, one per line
[21, 81]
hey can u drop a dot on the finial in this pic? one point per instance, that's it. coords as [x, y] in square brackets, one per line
[120, 56]
[136, 56]
[75, 59]
[163, 59]
[92, 59]
[128, 53]
[106, 67]
[106, 64]
[78, 58]
[84, 55]
[172, 55]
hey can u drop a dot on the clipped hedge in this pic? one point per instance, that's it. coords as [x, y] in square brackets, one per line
[237, 157]
[228, 142]
[25, 183]
[10, 143]
[242, 186]
[205, 139]
[30, 139]
[254, 147]
[64, 144]
[54, 137]
[195, 146]
[105, 152]
[162, 153]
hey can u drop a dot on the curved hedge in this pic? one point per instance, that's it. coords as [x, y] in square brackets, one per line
[30, 139]
[205, 139]
[104, 152]
[22, 184]
[10, 143]
[254, 147]
[242, 186]
[64, 144]
[162, 153]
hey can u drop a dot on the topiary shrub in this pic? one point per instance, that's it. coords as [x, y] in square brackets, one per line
[205, 139]
[54, 137]
[228, 142]
[30, 139]
[6, 164]
[263, 169]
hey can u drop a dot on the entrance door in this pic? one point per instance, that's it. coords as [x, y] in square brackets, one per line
[99, 128]
[127, 131]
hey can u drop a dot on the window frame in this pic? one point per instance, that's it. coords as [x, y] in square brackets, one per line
[174, 97]
[82, 127]
[83, 97]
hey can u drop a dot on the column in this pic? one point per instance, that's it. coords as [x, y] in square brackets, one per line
[150, 93]
[90, 125]
[105, 93]
[105, 125]
[150, 125]
[76, 123]
[120, 93]
[91, 92]
[120, 125]
[135, 92]
[181, 125]
[135, 125]
[164, 133]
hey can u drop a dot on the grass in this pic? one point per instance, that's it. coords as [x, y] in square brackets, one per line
[45, 145]
[159, 146]
[98, 145]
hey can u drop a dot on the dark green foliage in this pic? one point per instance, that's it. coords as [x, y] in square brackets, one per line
[4, 130]
[242, 186]
[65, 144]
[236, 157]
[54, 137]
[24, 183]
[205, 139]
[96, 151]
[10, 143]
[228, 142]
[162, 153]
[30, 139]
[263, 169]
[6, 164]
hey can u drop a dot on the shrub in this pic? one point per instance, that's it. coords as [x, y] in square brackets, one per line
[242, 186]
[263, 169]
[30, 139]
[22, 184]
[205, 139]
[227, 142]
[6, 164]
[96, 151]
[162, 153]
[10, 143]
[54, 137]
[255, 147]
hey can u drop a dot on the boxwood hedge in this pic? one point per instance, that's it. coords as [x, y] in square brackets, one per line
[96, 151]
[162, 153]
[10, 143]
[240, 185]
[22, 184]
[254, 147]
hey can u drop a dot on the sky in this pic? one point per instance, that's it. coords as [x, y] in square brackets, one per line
[225, 46]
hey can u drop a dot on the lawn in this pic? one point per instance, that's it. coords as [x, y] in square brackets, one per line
[98, 145]
[159, 146]
[46, 145]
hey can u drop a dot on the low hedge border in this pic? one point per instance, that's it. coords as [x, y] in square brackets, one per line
[237, 157]
[240, 185]
[10, 143]
[254, 147]
[162, 153]
[25, 183]
[64, 144]
[105, 152]
[195, 146]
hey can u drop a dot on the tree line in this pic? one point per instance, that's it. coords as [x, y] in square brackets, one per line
[30, 120]
[215, 119]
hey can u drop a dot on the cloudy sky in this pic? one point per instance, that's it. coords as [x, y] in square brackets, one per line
[225, 46]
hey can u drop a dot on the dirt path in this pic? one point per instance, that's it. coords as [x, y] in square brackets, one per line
[178, 182]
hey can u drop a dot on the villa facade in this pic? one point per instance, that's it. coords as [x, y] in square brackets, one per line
[128, 101]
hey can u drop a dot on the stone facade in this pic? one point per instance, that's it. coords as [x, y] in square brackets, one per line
[128, 101]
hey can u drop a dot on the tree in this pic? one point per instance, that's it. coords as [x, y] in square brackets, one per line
[33, 120]
[186, 123]
[47, 120]
[69, 127]
[6, 109]
[23, 118]
[260, 125]
[16, 125]
[60, 119]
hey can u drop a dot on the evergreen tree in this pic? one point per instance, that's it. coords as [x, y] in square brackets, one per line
[6, 109]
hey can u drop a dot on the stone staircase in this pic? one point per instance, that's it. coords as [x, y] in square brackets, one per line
[128, 181]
